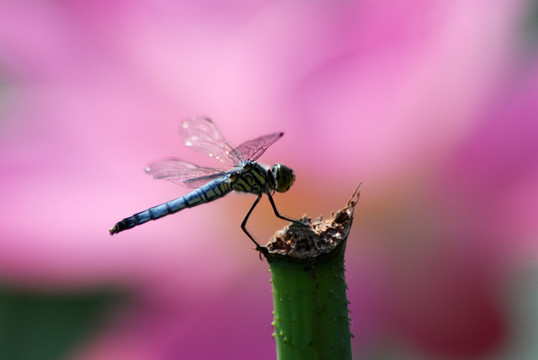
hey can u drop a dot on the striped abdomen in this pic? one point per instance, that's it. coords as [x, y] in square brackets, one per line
[206, 193]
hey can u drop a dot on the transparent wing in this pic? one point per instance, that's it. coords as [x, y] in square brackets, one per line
[253, 149]
[201, 134]
[182, 172]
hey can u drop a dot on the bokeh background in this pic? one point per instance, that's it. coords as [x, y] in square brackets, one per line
[433, 105]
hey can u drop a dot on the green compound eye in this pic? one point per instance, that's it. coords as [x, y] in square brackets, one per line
[284, 177]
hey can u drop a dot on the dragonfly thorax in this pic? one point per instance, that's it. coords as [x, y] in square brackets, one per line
[283, 177]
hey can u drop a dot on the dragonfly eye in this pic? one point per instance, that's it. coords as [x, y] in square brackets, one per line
[283, 176]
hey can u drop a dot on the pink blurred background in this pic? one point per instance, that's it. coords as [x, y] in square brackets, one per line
[432, 104]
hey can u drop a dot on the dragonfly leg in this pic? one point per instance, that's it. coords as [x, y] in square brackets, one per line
[278, 214]
[258, 247]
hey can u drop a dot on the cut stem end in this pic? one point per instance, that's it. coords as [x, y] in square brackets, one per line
[312, 240]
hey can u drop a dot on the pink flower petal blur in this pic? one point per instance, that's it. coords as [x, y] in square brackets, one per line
[431, 104]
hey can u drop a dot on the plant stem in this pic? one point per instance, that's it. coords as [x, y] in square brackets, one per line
[311, 316]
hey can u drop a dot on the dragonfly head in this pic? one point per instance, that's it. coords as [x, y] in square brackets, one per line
[283, 176]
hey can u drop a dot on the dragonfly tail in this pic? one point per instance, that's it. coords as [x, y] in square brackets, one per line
[204, 194]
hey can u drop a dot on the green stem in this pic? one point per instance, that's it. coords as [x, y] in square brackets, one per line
[311, 316]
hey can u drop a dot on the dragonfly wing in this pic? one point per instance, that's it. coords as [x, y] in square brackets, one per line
[201, 134]
[182, 172]
[253, 149]
[199, 181]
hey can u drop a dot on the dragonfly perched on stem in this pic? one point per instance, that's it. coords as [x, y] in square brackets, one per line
[248, 176]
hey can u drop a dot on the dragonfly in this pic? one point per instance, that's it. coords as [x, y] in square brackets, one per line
[209, 184]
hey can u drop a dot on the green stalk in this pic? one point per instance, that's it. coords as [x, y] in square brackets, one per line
[311, 316]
